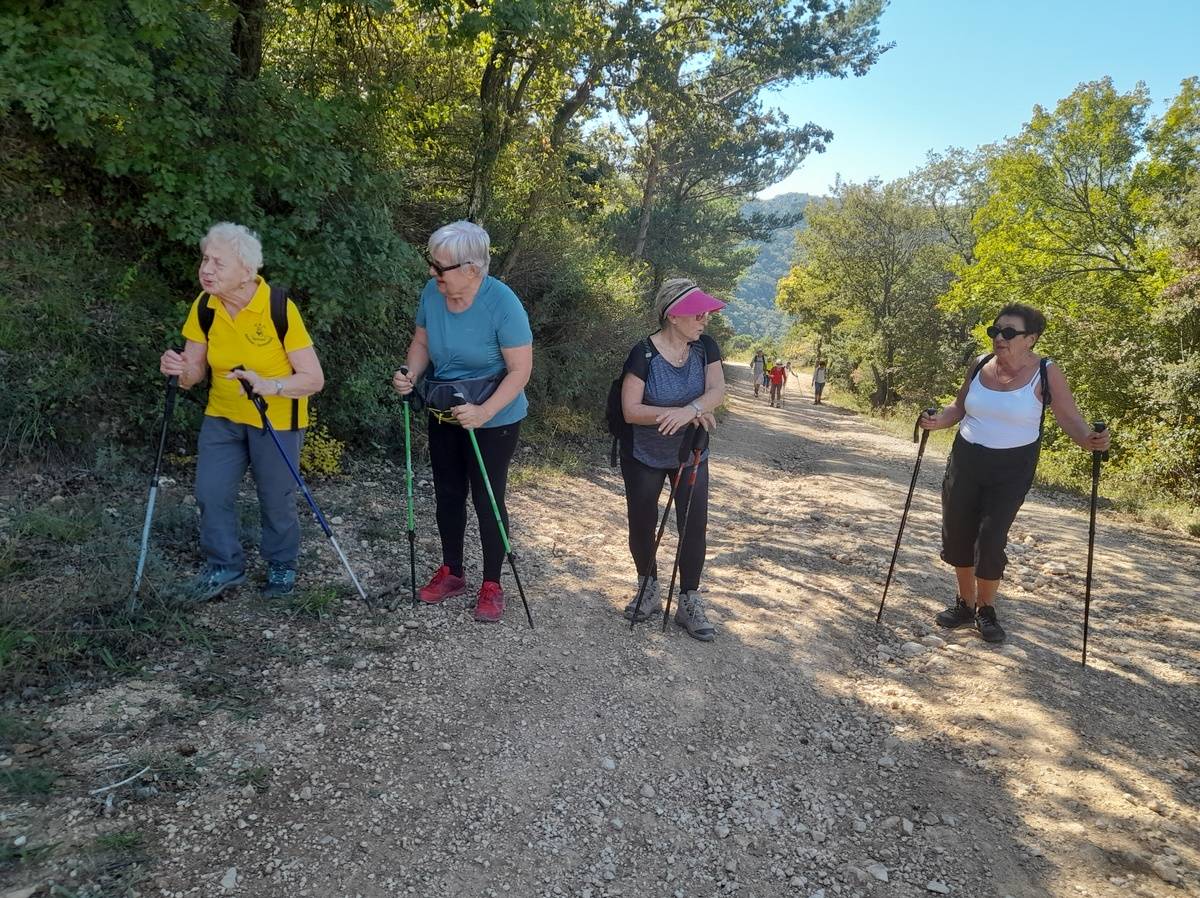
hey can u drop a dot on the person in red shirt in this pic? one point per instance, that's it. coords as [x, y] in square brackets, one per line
[778, 376]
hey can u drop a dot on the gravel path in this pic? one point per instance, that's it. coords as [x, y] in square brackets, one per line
[806, 752]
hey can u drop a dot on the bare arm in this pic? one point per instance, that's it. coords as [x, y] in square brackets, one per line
[1067, 413]
[306, 379]
[519, 362]
[416, 360]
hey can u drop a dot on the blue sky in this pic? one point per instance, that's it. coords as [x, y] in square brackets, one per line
[969, 72]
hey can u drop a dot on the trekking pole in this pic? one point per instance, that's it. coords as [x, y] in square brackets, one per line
[907, 502]
[1097, 457]
[699, 444]
[684, 451]
[168, 410]
[408, 482]
[261, 405]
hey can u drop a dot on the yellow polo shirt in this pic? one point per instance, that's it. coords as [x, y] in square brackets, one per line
[249, 340]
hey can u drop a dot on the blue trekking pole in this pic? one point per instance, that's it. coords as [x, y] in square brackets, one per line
[261, 405]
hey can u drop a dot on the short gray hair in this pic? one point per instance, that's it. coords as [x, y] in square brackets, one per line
[243, 241]
[465, 242]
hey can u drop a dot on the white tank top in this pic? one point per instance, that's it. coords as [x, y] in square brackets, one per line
[1002, 419]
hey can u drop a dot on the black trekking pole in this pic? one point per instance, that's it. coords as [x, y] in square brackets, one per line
[907, 502]
[261, 405]
[168, 411]
[408, 482]
[1097, 457]
[684, 452]
[699, 444]
[512, 564]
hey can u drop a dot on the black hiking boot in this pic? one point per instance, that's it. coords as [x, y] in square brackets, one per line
[960, 615]
[987, 625]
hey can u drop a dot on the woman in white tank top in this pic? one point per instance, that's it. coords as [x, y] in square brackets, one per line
[999, 411]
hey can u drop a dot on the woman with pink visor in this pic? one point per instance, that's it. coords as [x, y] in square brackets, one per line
[672, 380]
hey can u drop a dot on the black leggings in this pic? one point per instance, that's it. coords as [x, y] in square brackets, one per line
[643, 486]
[982, 491]
[454, 469]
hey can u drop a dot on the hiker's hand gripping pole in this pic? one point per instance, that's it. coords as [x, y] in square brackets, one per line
[408, 485]
[907, 502]
[699, 444]
[261, 405]
[168, 411]
[1097, 457]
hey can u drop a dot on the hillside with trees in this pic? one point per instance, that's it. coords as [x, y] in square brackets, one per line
[752, 308]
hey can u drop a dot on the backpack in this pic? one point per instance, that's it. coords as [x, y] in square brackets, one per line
[279, 318]
[1045, 386]
[614, 414]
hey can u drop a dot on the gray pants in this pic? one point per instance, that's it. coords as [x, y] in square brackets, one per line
[223, 452]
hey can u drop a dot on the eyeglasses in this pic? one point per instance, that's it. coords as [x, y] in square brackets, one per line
[442, 269]
[1008, 333]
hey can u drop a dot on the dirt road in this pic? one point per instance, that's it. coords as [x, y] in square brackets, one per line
[806, 752]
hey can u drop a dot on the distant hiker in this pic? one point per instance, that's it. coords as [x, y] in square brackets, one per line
[672, 379]
[778, 376]
[474, 331]
[758, 366]
[820, 376]
[1001, 407]
[239, 319]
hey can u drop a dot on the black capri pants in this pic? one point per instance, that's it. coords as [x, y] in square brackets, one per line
[455, 474]
[643, 486]
[982, 491]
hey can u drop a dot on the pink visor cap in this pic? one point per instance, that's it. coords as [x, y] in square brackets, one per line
[694, 302]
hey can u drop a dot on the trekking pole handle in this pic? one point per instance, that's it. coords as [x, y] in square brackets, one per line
[1100, 427]
[407, 397]
[259, 402]
[931, 411]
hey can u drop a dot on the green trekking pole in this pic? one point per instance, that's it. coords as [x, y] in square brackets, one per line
[408, 482]
[499, 523]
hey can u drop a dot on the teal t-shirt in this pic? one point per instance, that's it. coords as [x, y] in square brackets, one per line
[466, 345]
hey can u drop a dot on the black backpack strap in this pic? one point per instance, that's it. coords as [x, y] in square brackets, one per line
[1042, 365]
[983, 361]
[279, 318]
[205, 315]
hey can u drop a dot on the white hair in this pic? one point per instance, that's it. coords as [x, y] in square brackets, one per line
[464, 242]
[243, 241]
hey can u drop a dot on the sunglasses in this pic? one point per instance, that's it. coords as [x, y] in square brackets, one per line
[442, 269]
[1008, 333]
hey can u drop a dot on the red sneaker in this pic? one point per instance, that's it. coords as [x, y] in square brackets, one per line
[442, 586]
[490, 604]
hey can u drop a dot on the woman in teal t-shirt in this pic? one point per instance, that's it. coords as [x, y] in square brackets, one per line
[470, 326]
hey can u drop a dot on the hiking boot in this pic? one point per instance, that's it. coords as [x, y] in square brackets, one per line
[489, 607]
[211, 582]
[441, 586]
[961, 615]
[987, 625]
[281, 580]
[690, 615]
[651, 601]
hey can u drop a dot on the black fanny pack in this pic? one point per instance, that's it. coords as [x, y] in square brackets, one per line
[443, 395]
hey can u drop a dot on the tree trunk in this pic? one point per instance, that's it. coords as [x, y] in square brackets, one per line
[649, 192]
[248, 37]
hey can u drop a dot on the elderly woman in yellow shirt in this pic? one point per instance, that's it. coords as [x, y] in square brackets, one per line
[245, 332]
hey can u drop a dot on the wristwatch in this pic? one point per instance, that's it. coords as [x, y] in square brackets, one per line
[278, 387]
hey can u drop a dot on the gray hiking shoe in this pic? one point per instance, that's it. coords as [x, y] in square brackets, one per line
[690, 615]
[210, 583]
[281, 580]
[651, 601]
